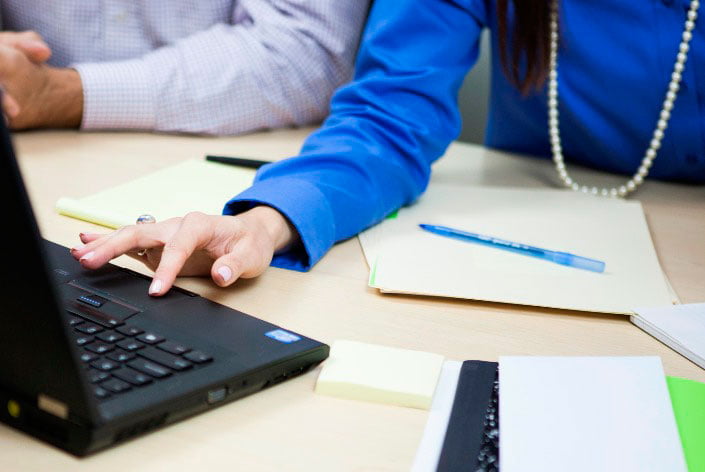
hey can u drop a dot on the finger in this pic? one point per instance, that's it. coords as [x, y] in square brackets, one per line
[150, 258]
[194, 229]
[11, 36]
[87, 238]
[11, 60]
[245, 260]
[28, 42]
[89, 241]
[90, 237]
[10, 106]
[102, 250]
[37, 51]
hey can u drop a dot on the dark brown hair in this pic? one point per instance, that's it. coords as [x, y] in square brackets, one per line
[526, 64]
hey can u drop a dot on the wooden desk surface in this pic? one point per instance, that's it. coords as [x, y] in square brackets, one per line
[289, 427]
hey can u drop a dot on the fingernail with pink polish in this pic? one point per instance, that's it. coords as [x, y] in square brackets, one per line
[87, 257]
[156, 287]
[225, 273]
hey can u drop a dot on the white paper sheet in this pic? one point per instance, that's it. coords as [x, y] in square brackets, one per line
[587, 414]
[429, 451]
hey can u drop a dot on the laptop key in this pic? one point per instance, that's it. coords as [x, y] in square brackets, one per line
[121, 356]
[88, 357]
[173, 348]
[130, 345]
[130, 330]
[149, 368]
[132, 376]
[110, 337]
[99, 348]
[198, 357]
[95, 376]
[165, 359]
[150, 338]
[89, 328]
[105, 365]
[73, 321]
[83, 340]
[116, 385]
[100, 392]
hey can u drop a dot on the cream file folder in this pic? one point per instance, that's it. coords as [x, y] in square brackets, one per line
[193, 185]
[405, 259]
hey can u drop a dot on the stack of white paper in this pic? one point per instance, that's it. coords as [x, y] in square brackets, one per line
[405, 259]
[431, 445]
[682, 328]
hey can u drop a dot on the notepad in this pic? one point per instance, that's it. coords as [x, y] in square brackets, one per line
[688, 399]
[193, 185]
[681, 327]
[380, 374]
[405, 259]
[586, 414]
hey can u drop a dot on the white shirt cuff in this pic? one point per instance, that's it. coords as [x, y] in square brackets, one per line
[117, 95]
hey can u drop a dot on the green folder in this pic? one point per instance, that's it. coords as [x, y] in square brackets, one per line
[688, 399]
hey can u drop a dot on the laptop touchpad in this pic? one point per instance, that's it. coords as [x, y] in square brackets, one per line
[116, 293]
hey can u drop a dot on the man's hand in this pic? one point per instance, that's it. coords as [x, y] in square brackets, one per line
[35, 94]
[224, 247]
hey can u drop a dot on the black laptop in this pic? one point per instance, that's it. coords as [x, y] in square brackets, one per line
[89, 360]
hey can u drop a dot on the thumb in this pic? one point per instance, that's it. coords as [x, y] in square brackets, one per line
[244, 260]
[37, 51]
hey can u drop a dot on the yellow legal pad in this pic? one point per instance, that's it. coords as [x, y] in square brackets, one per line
[193, 185]
[380, 374]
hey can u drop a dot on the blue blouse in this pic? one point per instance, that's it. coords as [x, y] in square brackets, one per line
[373, 153]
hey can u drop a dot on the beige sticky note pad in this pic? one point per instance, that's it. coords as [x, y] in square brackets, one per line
[380, 374]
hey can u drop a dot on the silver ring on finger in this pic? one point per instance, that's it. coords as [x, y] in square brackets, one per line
[143, 220]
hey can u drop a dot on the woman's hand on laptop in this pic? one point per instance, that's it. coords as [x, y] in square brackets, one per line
[224, 247]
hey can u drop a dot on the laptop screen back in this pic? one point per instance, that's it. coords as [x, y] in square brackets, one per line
[36, 358]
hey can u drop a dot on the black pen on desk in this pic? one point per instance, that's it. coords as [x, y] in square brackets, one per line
[237, 161]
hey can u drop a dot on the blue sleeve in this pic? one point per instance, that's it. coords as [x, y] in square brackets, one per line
[374, 152]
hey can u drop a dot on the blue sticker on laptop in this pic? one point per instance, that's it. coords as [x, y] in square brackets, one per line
[283, 336]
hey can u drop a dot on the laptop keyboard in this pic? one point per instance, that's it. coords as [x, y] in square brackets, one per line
[120, 357]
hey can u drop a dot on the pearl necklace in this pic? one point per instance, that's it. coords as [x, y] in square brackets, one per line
[661, 125]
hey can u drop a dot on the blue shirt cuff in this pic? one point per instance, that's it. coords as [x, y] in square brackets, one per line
[304, 206]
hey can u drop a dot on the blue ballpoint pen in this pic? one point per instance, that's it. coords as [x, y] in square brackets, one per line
[563, 258]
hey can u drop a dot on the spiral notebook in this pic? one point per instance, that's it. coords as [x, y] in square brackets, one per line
[562, 414]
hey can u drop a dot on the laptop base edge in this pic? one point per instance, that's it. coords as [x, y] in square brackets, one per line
[82, 440]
